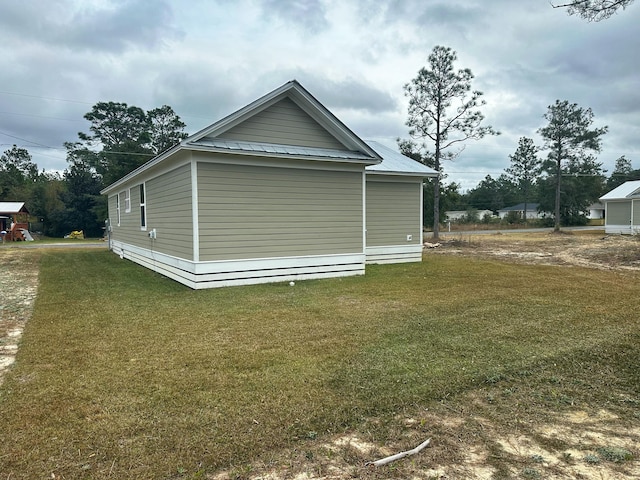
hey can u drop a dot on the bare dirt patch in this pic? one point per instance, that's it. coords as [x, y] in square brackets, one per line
[591, 249]
[18, 288]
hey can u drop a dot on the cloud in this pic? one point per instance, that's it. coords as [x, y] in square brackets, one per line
[93, 26]
[310, 15]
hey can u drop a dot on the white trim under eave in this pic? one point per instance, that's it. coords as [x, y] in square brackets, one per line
[195, 213]
[364, 211]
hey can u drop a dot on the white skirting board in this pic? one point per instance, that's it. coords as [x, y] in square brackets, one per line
[394, 254]
[200, 275]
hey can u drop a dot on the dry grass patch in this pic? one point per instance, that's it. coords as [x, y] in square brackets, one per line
[125, 374]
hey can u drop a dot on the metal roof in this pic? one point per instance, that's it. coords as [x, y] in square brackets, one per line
[272, 148]
[396, 163]
[531, 207]
[11, 207]
[621, 192]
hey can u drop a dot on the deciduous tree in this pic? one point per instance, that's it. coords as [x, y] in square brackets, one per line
[444, 110]
[17, 170]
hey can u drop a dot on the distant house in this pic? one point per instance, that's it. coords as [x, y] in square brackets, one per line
[14, 221]
[622, 208]
[454, 215]
[532, 211]
[280, 190]
[596, 211]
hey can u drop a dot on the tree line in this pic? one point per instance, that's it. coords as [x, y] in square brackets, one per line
[121, 138]
[561, 174]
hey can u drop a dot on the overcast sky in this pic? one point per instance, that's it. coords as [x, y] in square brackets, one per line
[207, 59]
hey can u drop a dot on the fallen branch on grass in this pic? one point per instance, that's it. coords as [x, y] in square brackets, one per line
[398, 456]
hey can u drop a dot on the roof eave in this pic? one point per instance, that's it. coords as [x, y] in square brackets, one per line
[403, 174]
[145, 166]
[253, 153]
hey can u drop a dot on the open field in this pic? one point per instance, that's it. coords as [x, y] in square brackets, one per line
[517, 355]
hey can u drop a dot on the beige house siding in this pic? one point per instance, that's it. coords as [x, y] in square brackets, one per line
[264, 212]
[169, 211]
[393, 211]
[283, 123]
[618, 213]
[636, 213]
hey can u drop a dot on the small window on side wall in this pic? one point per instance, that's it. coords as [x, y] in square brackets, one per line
[127, 200]
[118, 209]
[143, 208]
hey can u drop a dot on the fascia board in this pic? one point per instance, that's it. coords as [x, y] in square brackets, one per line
[252, 153]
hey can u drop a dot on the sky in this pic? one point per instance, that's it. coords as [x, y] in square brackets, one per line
[206, 59]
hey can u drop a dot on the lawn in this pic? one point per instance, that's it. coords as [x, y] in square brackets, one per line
[123, 373]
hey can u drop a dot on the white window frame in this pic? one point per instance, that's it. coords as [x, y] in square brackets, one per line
[118, 208]
[127, 200]
[143, 207]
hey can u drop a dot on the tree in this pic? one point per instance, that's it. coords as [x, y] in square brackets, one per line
[493, 194]
[524, 168]
[568, 139]
[622, 172]
[444, 110]
[166, 128]
[84, 206]
[17, 170]
[124, 137]
[594, 10]
[583, 183]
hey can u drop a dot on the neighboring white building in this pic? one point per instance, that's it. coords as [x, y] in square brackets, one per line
[596, 211]
[622, 209]
[454, 215]
[532, 211]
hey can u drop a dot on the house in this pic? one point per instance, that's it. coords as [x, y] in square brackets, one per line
[622, 208]
[596, 211]
[532, 211]
[455, 215]
[14, 221]
[280, 190]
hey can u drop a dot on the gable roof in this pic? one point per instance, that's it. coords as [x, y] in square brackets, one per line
[211, 138]
[394, 163]
[13, 207]
[624, 191]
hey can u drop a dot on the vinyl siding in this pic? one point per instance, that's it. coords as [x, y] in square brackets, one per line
[262, 212]
[636, 213]
[283, 123]
[618, 213]
[168, 209]
[393, 212]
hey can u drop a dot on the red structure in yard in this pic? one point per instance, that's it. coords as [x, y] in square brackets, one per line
[14, 221]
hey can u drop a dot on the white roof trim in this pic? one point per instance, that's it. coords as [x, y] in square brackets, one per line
[622, 192]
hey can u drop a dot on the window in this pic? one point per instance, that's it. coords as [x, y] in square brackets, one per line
[143, 209]
[118, 208]
[127, 200]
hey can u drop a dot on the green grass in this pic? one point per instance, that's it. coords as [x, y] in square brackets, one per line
[123, 373]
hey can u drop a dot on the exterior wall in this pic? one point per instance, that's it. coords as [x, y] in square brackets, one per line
[622, 216]
[253, 212]
[393, 217]
[283, 123]
[168, 211]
